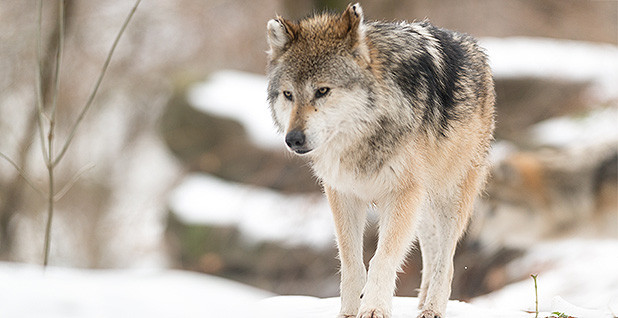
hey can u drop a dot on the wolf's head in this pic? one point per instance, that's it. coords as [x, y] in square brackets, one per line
[318, 72]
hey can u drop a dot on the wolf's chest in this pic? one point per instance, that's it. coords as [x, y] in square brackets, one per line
[348, 179]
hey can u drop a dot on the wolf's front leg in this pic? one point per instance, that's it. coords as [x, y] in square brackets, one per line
[397, 217]
[349, 213]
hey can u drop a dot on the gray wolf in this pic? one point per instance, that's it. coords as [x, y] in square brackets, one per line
[396, 116]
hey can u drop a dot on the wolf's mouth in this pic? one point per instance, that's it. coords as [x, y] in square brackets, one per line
[301, 151]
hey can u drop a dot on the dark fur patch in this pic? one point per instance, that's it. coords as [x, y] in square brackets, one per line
[428, 82]
[454, 58]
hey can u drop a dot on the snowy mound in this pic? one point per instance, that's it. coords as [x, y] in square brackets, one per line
[30, 292]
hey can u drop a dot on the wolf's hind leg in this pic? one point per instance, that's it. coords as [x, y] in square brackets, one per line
[397, 217]
[349, 213]
[440, 227]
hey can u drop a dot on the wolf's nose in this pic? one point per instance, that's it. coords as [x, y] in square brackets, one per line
[295, 139]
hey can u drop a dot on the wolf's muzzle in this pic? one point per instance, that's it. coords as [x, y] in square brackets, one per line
[296, 140]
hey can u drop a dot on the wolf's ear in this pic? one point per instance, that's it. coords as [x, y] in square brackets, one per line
[352, 17]
[281, 33]
[351, 21]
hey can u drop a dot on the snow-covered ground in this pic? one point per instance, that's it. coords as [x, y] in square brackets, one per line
[572, 275]
[406, 307]
[403, 307]
[583, 272]
[28, 291]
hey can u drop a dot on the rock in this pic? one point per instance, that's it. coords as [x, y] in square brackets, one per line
[523, 102]
[272, 266]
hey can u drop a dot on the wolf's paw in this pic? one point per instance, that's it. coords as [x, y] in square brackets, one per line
[372, 313]
[429, 314]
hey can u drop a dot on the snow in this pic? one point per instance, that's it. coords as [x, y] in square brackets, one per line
[28, 291]
[259, 213]
[403, 307]
[582, 272]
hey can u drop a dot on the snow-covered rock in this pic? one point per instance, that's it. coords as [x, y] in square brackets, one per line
[260, 214]
[598, 127]
[240, 96]
[558, 59]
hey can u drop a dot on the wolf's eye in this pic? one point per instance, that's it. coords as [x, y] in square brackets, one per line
[321, 92]
[288, 95]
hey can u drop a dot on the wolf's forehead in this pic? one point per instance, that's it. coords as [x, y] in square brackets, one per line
[319, 68]
[320, 27]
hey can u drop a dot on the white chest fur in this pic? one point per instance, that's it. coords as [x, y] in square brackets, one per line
[329, 168]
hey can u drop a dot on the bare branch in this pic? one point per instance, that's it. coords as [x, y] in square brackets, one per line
[59, 50]
[23, 174]
[56, 90]
[39, 85]
[96, 86]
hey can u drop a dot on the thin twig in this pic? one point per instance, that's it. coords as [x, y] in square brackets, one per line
[536, 296]
[96, 86]
[70, 184]
[56, 91]
[39, 80]
[59, 50]
[50, 213]
[23, 174]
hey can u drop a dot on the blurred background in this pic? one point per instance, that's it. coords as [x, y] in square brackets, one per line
[184, 170]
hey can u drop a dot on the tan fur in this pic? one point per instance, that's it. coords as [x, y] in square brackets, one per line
[298, 120]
